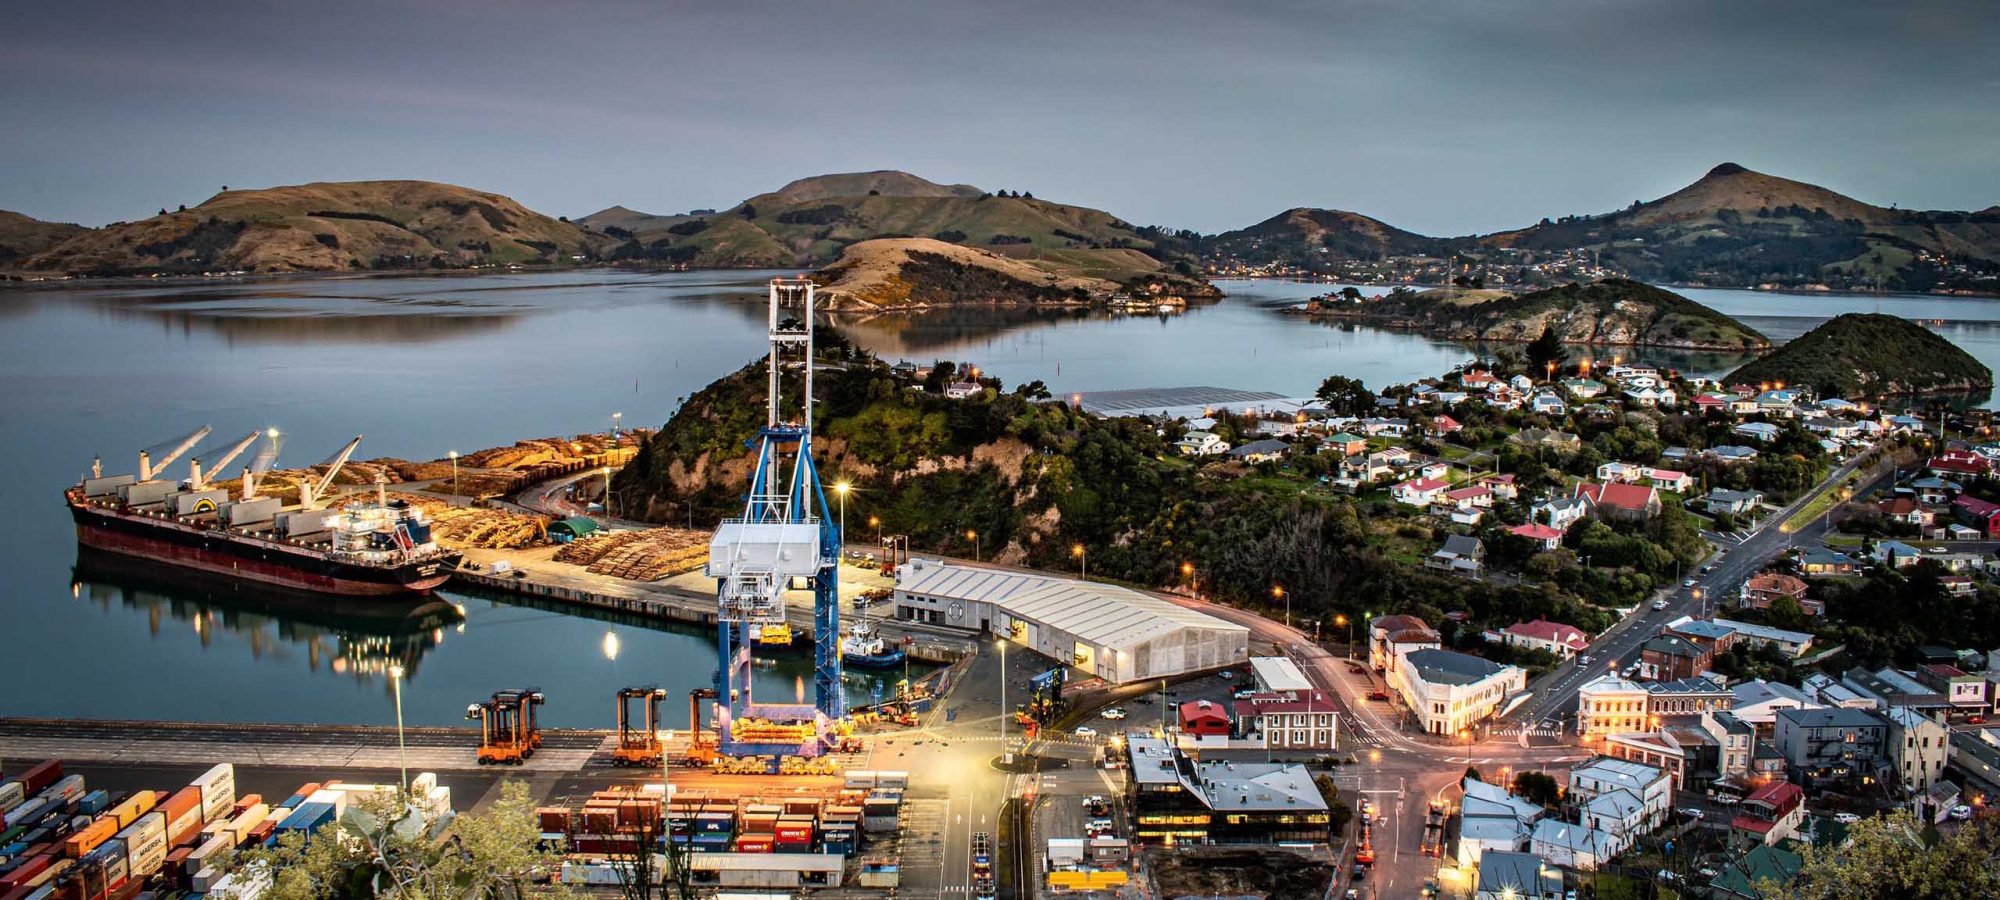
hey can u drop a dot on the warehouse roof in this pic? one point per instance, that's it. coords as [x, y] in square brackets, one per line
[1278, 673]
[1100, 614]
[1451, 667]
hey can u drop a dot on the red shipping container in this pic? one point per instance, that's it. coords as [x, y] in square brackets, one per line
[263, 829]
[248, 800]
[39, 776]
[183, 811]
[553, 819]
[31, 866]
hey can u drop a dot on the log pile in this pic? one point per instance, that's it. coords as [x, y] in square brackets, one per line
[647, 555]
[475, 527]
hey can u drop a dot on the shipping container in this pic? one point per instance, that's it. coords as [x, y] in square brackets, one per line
[65, 790]
[218, 791]
[94, 803]
[88, 839]
[183, 813]
[145, 843]
[140, 803]
[111, 857]
[176, 869]
[239, 827]
[12, 794]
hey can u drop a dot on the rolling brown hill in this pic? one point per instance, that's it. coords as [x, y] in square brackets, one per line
[811, 221]
[1304, 234]
[327, 226]
[25, 236]
[915, 273]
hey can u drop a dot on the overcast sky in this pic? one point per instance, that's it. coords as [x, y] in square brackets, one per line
[1440, 117]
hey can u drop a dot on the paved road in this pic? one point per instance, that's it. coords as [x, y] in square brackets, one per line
[1739, 557]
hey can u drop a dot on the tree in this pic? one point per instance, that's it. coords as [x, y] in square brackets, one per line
[1786, 613]
[1545, 350]
[1346, 396]
[1899, 856]
[1472, 772]
[383, 848]
[1538, 787]
[942, 372]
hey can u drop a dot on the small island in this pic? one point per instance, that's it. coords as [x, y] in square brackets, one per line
[1870, 355]
[1612, 312]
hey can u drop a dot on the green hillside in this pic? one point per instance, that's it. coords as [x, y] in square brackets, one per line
[1614, 311]
[1870, 355]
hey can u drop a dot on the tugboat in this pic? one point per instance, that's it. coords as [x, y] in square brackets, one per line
[863, 648]
[377, 549]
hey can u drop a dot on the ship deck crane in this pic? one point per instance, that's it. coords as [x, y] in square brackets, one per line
[310, 493]
[262, 462]
[148, 468]
[198, 477]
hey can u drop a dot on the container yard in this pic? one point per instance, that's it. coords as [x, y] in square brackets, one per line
[60, 840]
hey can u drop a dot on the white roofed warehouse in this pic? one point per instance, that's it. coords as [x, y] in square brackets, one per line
[1115, 633]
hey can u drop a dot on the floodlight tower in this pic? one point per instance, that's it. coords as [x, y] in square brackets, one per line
[783, 534]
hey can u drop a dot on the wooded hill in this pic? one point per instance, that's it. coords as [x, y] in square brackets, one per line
[1612, 312]
[1869, 355]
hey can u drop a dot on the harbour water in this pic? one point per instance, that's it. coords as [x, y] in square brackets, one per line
[426, 364]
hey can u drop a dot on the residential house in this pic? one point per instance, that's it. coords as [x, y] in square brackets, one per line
[1620, 500]
[1469, 516]
[1668, 479]
[1770, 814]
[1706, 634]
[1621, 798]
[1548, 405]
[1418, 491]
[1710, 402]
[1961, 464]
[1562, 512]
[1793, 644]
[1460, 555]
[1583, 388]
[1822, 561]
[1546, 537]
[1735, 503]
[1380, 427]
[961, 390]
[1502, 485]
[1449, 691]
[1620, 472]
[1390, 638]
[1896, 554]
[1731, 453]
[1778, 403]
[1758, 703]
[1346, 444]
[1976, 513]
[1931, 491]
[1571, 846]
[1261, 451]
[1560, 441]
[1492, 820]
[1516, 876]
[1564, 641]
[1648, 397]
[1609, 704]
[1766, 588]
[1476, 495]
[1761, 432]
[1367, 468]
[1202, 443]
[1203, 718]
[1832, 745]
[1906, 511]
[1919, 748]
[1669, 656]
[1444, 425]
[1521, 383]
[1744, 878]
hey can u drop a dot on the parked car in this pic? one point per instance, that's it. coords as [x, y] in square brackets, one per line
[1688, 583]
[1228, 675]
[1379, 695]
[1960, 813]
[1691, 812]
[1114, 713]
[1659, 604]
[1085, 732]
[1846, 818]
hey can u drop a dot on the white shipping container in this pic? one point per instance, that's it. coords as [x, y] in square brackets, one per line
[145, 844]
[199, 856]
[245, 884]
[12, 794]
[240, 827]
[218, 791]
[64, 790]
[333, 798]
[204, 880]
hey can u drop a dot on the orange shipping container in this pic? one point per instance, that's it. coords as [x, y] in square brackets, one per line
[86, 840]
[183, 811]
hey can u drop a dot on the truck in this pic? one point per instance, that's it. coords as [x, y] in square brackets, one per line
[1434, 830]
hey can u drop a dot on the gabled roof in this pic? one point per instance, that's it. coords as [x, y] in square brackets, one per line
[1451, 667]
[1537, 531]
[1542, 629]
[1424, 485]
[1572, 837]
[1672, 645]
[1618, 495]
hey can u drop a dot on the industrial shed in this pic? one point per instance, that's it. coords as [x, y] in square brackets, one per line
[1117, 634]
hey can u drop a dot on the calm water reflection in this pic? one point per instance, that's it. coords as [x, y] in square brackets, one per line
[423, 365]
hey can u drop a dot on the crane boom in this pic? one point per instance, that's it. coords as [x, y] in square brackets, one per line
[198, 479]
[310, 494]
[146, 467]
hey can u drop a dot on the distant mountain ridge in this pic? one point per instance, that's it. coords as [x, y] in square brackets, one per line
[811, 221]
[1612, 312]
[1731, 227]
[324, 226]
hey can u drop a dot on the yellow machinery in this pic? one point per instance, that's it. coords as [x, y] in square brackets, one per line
[701, 747]
[775, 635]
[640, 747]
[508, 731]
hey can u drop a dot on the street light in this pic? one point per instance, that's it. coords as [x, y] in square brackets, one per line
[614, 425]
[454, 470]
[1083, 567]
[1278, 592]
[1005, 755]
[973, 536]
[875, 522]
[402, 749]
[841, 488]
[607, 491]
[1339, 620]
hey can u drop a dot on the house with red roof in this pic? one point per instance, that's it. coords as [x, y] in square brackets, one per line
[1502, 485]
[1767, 588]
[1770, 814]
[1975, 512]
[1906, 510]
[1562, 640]
[1418, 491]
[1481, 497]
[1669, 480]
[1204, 718]
[1308, 721]
[1620, 500]
[1445, 425]
[1548, 537]
[1959, 464]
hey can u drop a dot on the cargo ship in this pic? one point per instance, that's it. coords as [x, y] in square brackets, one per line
[379, 548]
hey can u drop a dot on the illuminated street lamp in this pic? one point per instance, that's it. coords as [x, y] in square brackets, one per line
[614, 424]
[841, 488]
[875, 522]
[402, 749]
[1278, 592]
[1083, 556]
[1005, 755]
[1341, 619]
[973, 536]
[454, 470]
